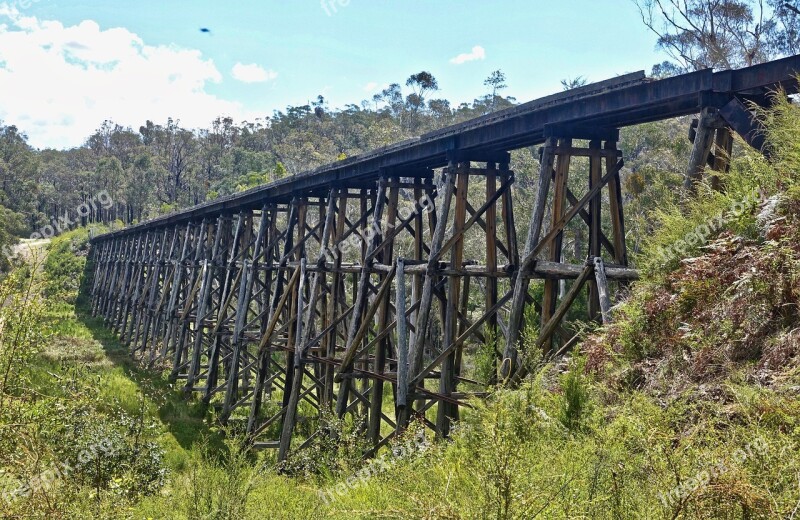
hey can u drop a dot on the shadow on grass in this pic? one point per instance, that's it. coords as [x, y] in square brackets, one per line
[184, 418]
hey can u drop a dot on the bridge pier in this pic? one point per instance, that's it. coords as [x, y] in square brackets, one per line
[255, 308]
[391, 287]
[712, 144]
[545, 236]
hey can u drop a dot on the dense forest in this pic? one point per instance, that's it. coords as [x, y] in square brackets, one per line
[162, 166]
[121, 176]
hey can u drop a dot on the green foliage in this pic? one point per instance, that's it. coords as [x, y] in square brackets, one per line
[512, 458]
[280, 171]
[486, 360]
[67, 445]
[11, 225]
[21, 310]
[65, 265]
[108, 450]
[576, 399]
[337, 450]
[216, 486]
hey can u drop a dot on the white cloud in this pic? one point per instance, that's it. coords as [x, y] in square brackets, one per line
[253, 73]
[374, 86]
[66, 80]
[477, 53]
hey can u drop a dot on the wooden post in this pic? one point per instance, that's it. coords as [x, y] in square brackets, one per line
[551, 286]
[196, 275]
[704, 138]
[615, 206]
[359, 304]
[596, 220]
[447, 380]
[426, 298]
[402, 340]
[491, 265]
[602, 289]
[222, 302]
[304, 327]
[297, 367]
[337, 294]
[381, 352]
[520, 282]
[723, 147]
[203, 303]
[243, 305]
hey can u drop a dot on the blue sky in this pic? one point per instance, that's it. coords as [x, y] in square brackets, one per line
[67, 66]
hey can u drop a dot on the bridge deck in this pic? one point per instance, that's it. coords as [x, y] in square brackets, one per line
[619, 102]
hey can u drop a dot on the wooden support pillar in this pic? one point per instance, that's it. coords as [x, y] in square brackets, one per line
[446, 411]
[615, 206]
[723, 147]
[123, 307]
[297, 367]
[704, 138]
[130, 315]
[229, 281]
[337, 295]
[151, 313]
[296, 304]
[159, 310]
[596, 221]
[417, 351]
[203, 304]
[520, 282]
[551, 286]
[359, 304]
[243, 307]
[382, 348]
[178, 274]
[193, 276]
[419, 241]
[491, 266]
[401, 399]
[304, 326]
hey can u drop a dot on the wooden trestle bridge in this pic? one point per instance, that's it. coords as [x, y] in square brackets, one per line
[349, 289]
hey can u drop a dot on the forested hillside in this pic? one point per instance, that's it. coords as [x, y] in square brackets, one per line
[122, 176]
[162, 166]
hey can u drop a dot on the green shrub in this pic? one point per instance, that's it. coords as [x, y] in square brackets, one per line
[575, 393]
[65, 265]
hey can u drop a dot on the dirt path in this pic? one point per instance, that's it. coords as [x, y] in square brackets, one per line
[30, 249]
